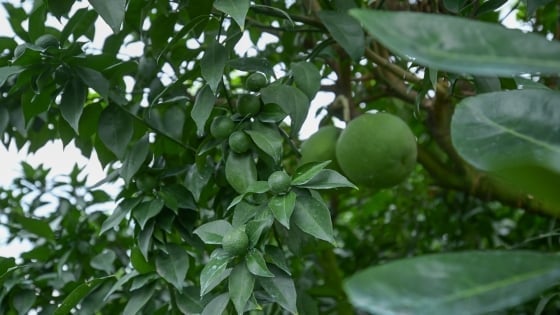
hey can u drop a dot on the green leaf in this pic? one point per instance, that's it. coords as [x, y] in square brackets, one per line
[515, 136]
[213, 232]
[72, 102]
[328, 179]
[307, 171]
[203, 105]
[282, 291]
[307, 78]
[4, 119]
[268, 139]
[217, 306]
[173, 266]
[147, 210]
[241, 171]
[112, 11]
[104, 261]
[145, 239]
[138, 298]
[35, 226]
[243, 212]
[252, 64]
[188, 301]
[282, 207]
[237, 9]
[453, 283]
[134, 158]
[346, 31]
[256, 264]
[256, 227]
[6, 263]
[463, 45]
[276, 256]
[240, 285]
[115, 129]
[214, 272]
[6, 72]
[292, 100]
[122, 281]
[313, 218]
[78, 294]
[119, 214]
[24, 300]
[213, 63]
[95, 80]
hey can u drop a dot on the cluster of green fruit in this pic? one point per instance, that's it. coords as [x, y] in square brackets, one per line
[374, 150]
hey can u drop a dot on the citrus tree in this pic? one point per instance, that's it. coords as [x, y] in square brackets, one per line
[431, 186]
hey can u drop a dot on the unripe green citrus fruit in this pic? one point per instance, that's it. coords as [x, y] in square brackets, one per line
[321, 146]
[221, 127]
[376, 150]
[239, 142]
[46, 41]
[248, 104]
[279, 182]
[256, 81]
[236, 241]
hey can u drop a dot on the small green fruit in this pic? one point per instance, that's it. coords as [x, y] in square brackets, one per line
[221, 127]
[236, 241]
[239, 142]
[248, 105]
[256, 81]
[279, 182]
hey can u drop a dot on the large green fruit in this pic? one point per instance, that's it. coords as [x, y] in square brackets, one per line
[376, 150]
[236, 241]
[256, 81]
[321, 146]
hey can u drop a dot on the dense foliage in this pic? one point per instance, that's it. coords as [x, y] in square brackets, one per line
[219, 215]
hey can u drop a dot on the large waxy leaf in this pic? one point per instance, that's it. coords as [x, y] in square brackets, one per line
[112, 11]
[515, 136]
[213, 63]
[78, 294]
[313, 218]
[72, 102]
[147, 210]
[213, 232]
[214, 272]
[138, 298]
[35, 226]
[292, 100]
[240, 285]
[268, 139]
[461, 45]
[237, 9]
[24, 300]
[453, 283]
[241, 171]
[6, 72]
[307, 77]
[134, 158]
[174, 265]
[282, 207]
[217, 305]
[346, 31]
[202, 108]
[115, 129]
[282, 289]
[119, 214]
